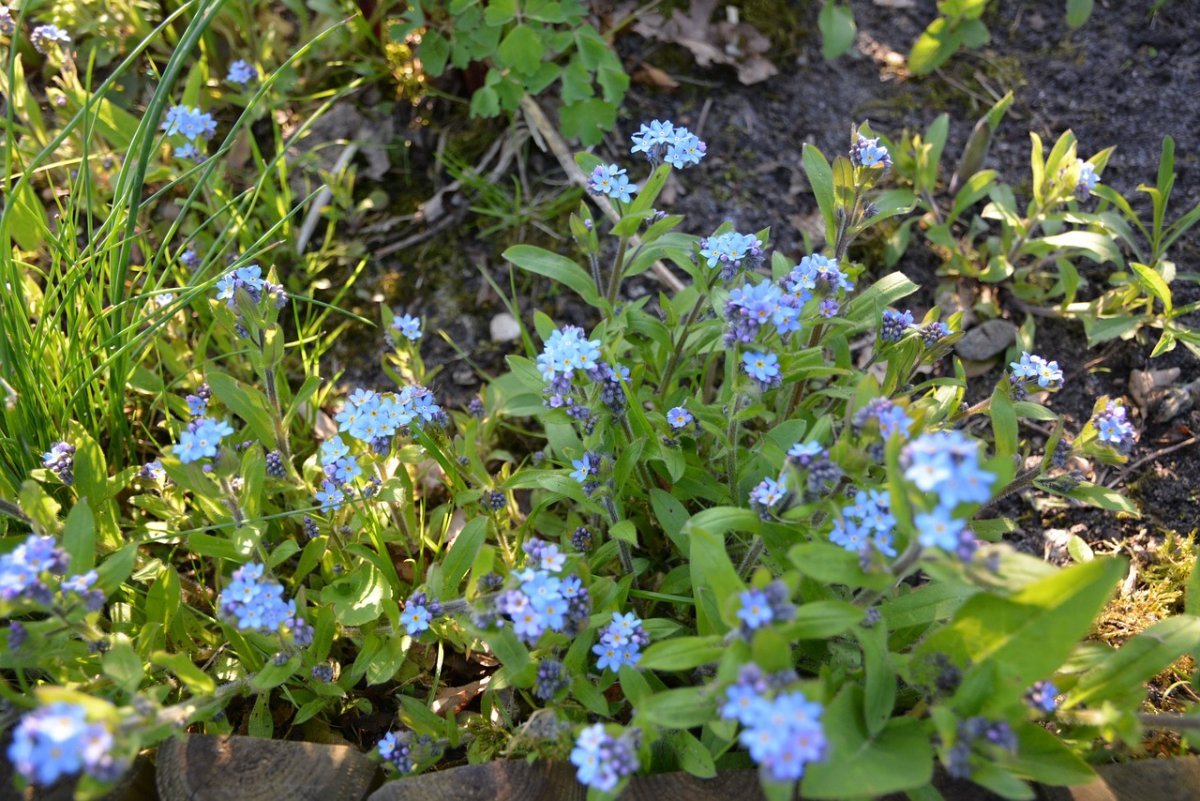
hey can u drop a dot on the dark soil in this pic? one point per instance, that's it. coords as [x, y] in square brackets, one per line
[1124, 79]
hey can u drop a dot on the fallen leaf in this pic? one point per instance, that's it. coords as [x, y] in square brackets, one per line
[653, 76]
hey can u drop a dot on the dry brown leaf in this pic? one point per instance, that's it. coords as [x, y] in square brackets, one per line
[653, 76]
[729, 42]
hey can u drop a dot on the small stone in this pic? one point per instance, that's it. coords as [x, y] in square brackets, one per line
[505, 328]
[987, 340]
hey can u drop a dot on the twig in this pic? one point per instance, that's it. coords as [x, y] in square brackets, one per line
[1165, 720]
[1156, 455]
[554, 140]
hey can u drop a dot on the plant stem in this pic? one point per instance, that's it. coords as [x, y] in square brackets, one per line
[1021, 481]
[664, 386]
[748, 561]
[899, 570]
[595, 265]
[614, 280]
[731, 455]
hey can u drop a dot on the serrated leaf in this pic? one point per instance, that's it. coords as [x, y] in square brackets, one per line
[522, 49]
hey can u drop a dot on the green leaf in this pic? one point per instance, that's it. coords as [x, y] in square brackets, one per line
[485, 102]
[433, 52]
[880, 683]
[863, 766]
[1004, 423]
[261, 723]
[1099, 248]
[934, 46]
[1078, 12]
[836, 22]
[79, 538]
[463, 552]
[1094, 495]
[821, 620]
[820, 178]
[1136, 660]
[924, 605]
[682, 653]
[559, 268]
[587, 693]
[199, 682]
[522, 49]
[832, 564]
[113, 571]
[678, 709]
[248, 403]
[1028, 635]
[511, 652]
[692, 755]
[671, 516]
[587, 120]
[1154, 284]
[358, 598]
[122, 664]
[273, 675]
[1045, 758]
[500, 12]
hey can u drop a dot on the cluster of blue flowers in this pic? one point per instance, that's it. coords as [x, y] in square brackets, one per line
[1033, 369]
[45, 37]
[602, 760]
[254, 602]
[403, 749]
[1113, 427]
[340, 469]
[544, 599]
[408, 326]
[672, 144]
[249, 280]
[7, 23]
[1043, 697]
[767, 494]
[27, 572]
[763, 367]
[201, 439]
[60, 460]
[568, 354]
[945, 464]
[867, 525]
[198, 404]
[552, 677]
[976, 731]
[822, 474]
[758, 608]
[1088, 179]
[242, 72]
[621, 642]
[869, 153]
[612, 182]
[732, 252]
[374, 418]
[57, 740]
[419, 612]
[891, 418]
[193, 125]
[895, 325]
[153, 471]
[750, 307]
[780, 728]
